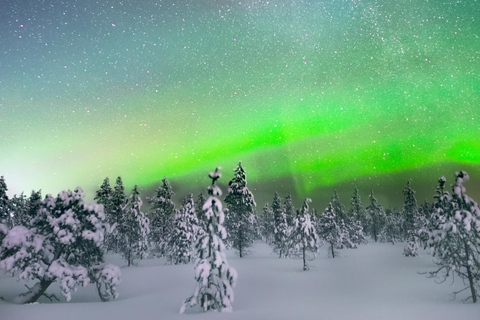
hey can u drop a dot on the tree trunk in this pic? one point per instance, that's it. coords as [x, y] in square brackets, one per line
[304, 260]
[469, 274]
[34, 293]
[333, 251]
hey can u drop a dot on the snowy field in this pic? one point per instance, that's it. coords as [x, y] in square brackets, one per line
[370, 283]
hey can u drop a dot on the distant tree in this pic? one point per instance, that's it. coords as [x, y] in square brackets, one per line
[184, 233]
[282, 229]
[454, 239]
[330, 231]
[339, 208]
[351, 228]
[133, 229]
[161, 218]
[376, 217]
[104, 196]
[412, 221]
[5, 208]
[115, 215]
[305, 235]
[214, 278]
[357, 211]
[241, 206]
[18, 210]
[290, 213]
[393, 230]
[268, 224]
[63, 245]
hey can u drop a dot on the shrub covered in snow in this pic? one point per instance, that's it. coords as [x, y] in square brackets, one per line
[455, 236]
[62, 245]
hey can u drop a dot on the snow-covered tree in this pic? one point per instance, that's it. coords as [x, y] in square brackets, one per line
[184, 233]
[351, 228]
[393, 230]
[133, 229]
[113, 212]
[282, 229]
[214, 278]
[304, 234]
[63, 245]
[5, 209]
[104, 196]
[455, 239]
[161, 217]
[357, 211]
[241, 205]
[376, 217]
[411, 221]
[268, 223]
[330, 231]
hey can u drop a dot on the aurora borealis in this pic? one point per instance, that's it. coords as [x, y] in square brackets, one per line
[310, 95]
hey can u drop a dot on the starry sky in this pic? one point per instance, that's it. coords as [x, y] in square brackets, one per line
[310, 95]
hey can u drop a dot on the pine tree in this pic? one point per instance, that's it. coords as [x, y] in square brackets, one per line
[133, 229]
[5, 208]
[104, 196]
[63, 245]
[411, 220]
[268, 224]
[184, 233]
[290, 213]
[357, 211]
[241, 207]
[455, 236]
[376, 217]
[18, 205]
[330, 231]
[393, 229]
[305, 235]
[214, 278]
[115, 216]
[282, 229]
[161, 218]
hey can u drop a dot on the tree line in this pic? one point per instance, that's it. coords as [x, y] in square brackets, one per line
[62, 239]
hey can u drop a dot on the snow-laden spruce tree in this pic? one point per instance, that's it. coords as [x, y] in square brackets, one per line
[330, 231]
[113, 211]
[25, 209]
[215, 278]
[104, 196]
[357, 211]
[5, 209]
[133, 229]
[282, 229]
[184, 233]
[241, 205]
[268, 223]
[62, 245]
[393, 230]
[376, 217]
[304, 235]
[411, 221]
[352, 228]
[455, 240]
[161, 217]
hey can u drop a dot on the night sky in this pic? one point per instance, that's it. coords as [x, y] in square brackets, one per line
[311, 96]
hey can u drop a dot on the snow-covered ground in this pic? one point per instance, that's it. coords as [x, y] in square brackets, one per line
[372, 282]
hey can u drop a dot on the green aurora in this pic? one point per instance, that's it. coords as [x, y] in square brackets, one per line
[311, 96]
